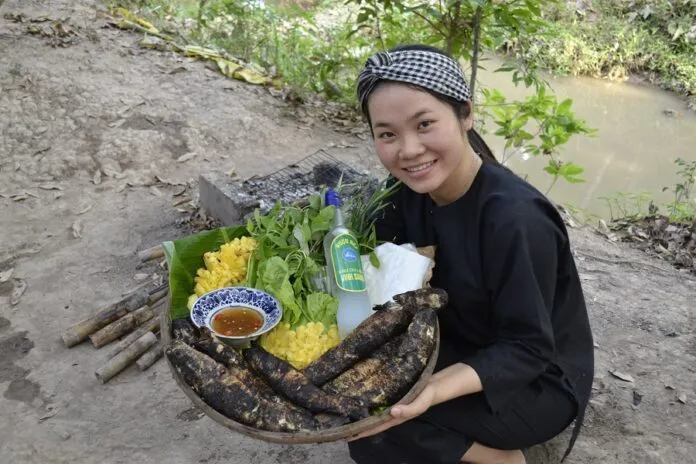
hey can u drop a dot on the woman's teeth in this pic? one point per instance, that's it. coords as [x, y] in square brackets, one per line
[420, 167]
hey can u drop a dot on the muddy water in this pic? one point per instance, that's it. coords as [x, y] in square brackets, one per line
[633, 151]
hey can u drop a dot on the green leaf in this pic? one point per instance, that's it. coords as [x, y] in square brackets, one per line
[321, 307]
[185, 256]
[374, 260]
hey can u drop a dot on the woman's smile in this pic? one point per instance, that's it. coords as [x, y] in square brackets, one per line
[419, 171]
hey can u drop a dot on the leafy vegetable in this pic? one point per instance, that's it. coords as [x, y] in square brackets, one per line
[184, 257]
[289, 258]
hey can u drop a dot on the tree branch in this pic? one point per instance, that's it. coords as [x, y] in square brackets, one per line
[477, 46]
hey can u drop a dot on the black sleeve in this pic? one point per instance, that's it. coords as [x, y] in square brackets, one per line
[520, 248]
[390, 225]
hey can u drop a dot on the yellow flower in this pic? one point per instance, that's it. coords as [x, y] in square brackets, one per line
[224, 268]
[300, 347]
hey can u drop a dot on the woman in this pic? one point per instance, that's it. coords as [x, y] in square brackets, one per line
[516, 355]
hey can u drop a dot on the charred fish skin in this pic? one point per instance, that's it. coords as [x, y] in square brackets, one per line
[229, 396]
[352, 378]
[403, 369]
[373, 332]
[184, 330]
[424, 298]
[220, 352]
[295, 386]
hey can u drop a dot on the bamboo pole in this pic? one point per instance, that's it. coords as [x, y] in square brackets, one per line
[150, 357]
[152, 325]
[125, 357]
[83, 329]
[121, 326]
[151, 253]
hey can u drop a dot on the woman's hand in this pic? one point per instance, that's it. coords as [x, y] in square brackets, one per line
[453, 381]
[401, 413]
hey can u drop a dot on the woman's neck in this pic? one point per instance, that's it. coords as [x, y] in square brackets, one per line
[459, 182]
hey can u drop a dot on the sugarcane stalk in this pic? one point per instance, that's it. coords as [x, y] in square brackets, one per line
[151, 253]
[157, 295]
[125, 357]
[83, 329]
[121, 326]
[150, 357]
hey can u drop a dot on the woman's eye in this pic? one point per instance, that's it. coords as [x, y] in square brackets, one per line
[424, 124]
[385, 135]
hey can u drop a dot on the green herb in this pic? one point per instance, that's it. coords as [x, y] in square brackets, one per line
[289, 258]
[364, 203]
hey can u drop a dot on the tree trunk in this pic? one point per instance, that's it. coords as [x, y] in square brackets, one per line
[475, 54]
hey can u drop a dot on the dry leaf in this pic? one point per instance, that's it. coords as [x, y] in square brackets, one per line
[155, 191]
[179, 192]
[97, 177]
[77, 229]
[20, 286]
[682, 398]
[19, 197]
[232, 172]
[180, 201]
[186, 157]
[140, 276]
[621, 376]
[5, 275]
[50, 187]
[85, 210]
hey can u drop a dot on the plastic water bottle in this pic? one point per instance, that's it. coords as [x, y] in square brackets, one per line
[344, 272]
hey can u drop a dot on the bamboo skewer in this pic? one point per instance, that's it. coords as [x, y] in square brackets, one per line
[83, 329]
[121, 326]
[125, 357]
[150, 357]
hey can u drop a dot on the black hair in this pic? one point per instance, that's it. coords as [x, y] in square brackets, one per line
[461, 109]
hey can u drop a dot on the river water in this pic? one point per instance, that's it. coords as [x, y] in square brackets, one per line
[633, 151]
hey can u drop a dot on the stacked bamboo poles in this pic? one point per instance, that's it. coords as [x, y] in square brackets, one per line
[129, 326]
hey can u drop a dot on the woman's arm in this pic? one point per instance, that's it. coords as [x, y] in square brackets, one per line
[520, 252]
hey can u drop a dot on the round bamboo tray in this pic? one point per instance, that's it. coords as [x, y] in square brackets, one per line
[318, 436]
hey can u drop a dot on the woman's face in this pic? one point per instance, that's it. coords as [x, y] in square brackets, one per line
[418, 138]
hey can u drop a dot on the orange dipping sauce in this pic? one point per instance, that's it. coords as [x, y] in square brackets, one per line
[236, 322]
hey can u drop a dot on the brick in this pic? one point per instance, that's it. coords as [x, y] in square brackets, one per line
[223, 199]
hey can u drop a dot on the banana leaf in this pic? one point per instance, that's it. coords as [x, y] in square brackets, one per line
[185, 256]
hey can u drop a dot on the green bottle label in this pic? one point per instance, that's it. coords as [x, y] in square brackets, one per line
[346, 263]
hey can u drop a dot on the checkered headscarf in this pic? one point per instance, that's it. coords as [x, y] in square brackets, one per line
[430, 70]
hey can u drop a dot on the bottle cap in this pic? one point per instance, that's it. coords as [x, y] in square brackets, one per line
[332, 198]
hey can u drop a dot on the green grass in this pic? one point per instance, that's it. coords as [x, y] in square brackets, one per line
[610, 45]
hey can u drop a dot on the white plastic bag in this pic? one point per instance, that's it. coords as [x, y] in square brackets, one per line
[401, 269]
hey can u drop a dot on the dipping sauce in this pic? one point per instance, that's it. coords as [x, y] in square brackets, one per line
[237, 322]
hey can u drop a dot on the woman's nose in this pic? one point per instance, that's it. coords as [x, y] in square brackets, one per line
[412, 147]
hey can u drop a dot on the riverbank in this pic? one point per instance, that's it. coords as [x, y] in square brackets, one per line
[641, 41]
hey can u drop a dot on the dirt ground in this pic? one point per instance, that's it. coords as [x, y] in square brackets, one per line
[88, 120]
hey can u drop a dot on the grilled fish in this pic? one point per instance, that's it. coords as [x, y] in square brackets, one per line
[184, 330]
[416, 300]
[228, 395]
[373, 332]
[295, 386]
[401, 371]
[351, 379]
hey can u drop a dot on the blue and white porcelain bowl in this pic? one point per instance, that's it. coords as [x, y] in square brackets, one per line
[208, 305]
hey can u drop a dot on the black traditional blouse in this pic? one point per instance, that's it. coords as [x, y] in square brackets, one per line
[516, 310]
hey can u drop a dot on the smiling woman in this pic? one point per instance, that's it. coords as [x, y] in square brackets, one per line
[516, 359]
